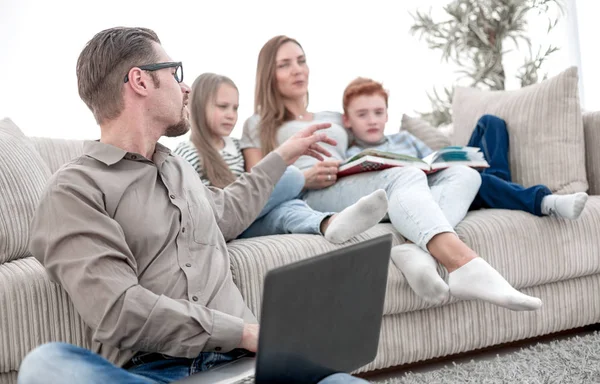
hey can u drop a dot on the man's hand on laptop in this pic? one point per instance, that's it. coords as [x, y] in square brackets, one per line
[304, 142]
[250, 337]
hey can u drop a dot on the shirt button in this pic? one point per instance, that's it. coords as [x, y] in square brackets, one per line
[217, 349]
[183, 230]
[195, 298]
[188, 265]
[172, 196]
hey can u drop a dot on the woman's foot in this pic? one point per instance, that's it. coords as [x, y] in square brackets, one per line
[479, 280]
[420, 270]
[357, 218]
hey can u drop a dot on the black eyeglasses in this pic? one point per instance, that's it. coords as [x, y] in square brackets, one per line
[155, 67]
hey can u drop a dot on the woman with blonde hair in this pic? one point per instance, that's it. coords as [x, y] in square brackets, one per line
[218, 159]
[281, 101]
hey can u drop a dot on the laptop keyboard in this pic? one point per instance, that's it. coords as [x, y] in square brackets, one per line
[246, 380]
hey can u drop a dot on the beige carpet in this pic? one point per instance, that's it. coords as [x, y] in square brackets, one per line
[571, 360]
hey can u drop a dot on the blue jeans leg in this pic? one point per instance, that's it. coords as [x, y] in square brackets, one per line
[497, 189]
[293, 216]
[63, 363]
[501, 194]
[491, 136]
[166, 369]
[287, 188]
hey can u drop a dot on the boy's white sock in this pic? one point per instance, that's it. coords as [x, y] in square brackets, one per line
[479, 280]
[358, 217]
[420, 270]
[565, 206]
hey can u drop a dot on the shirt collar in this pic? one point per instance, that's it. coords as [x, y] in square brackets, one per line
[363, 144]
[109, 154]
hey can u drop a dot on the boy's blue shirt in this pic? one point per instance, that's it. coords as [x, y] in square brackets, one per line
[401, 142]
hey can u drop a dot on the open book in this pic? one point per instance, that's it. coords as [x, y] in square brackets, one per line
[374, 160]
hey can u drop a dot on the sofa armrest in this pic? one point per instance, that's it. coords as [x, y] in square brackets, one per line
[34, 311]
[591, 128]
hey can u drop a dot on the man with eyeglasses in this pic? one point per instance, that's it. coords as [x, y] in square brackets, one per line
[134, 237]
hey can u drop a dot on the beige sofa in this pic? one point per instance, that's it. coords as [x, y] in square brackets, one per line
[556, 260]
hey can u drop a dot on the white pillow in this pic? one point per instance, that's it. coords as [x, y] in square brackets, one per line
[545, 125]
[433, 137]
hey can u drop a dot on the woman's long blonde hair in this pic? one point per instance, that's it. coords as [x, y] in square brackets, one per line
[268, 102]
[204, 91]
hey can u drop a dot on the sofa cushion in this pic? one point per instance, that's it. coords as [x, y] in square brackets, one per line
[57, 152]
[252, 258]
[425, 132]
[545, 126]
[22, 178]
[591, 129]
[527, 250]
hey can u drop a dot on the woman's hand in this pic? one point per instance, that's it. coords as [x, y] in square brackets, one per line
[321, 175]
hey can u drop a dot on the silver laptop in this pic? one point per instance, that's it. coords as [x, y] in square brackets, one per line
[319, 316]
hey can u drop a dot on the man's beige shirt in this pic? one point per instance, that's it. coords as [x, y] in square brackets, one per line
[139, 246]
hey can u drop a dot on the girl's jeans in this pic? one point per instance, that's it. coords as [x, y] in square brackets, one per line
[285, 212]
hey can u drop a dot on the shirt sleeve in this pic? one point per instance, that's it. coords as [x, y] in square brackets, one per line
[85, 251]
[353, 151]
[238, 205]
[421, 147]
[251, 133]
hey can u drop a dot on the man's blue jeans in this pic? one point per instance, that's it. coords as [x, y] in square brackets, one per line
[61, 363]
[497, 189]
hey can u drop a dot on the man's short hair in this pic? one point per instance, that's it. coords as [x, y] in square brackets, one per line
[104, 62]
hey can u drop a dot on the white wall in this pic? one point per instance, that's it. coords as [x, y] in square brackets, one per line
[589, 31]
[41, 40]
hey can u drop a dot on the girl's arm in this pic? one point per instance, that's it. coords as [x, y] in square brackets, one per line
[250, 143]
[251, 157]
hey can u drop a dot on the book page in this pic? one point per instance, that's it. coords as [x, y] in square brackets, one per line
[384, 155]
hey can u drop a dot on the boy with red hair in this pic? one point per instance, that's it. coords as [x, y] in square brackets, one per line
[365, 104]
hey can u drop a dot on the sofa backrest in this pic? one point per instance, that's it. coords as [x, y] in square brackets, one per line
[436, 139]
[57, 152]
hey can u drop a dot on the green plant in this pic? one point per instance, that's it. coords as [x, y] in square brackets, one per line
[474, 35]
